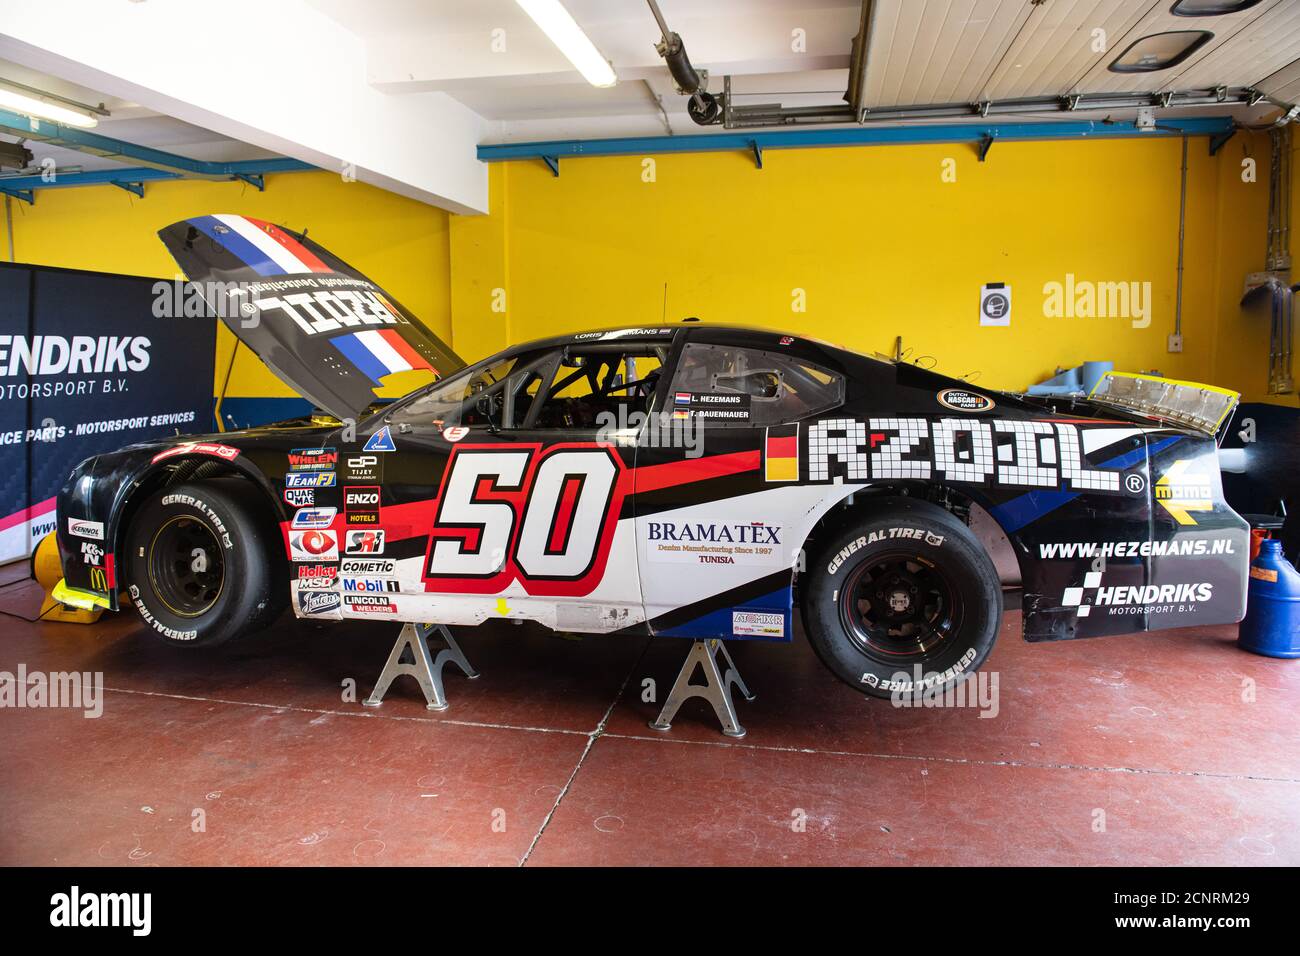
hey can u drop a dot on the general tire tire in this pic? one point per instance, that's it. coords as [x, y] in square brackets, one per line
[204, 563]
[906, 585]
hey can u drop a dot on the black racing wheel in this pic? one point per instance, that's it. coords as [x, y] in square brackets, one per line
[904, 601]
[204, 563]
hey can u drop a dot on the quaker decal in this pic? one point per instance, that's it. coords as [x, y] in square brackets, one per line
[318, 602]
[313, 459]
[961, 400]
[361, 504]
[224, 452]
[1019, 454]
[313, 545]
[364, 542]
[313, 518]
[726, 406]
[317, 577]
[1183, 489]
[363, 468]
[81, 528]
[1124, 599]
[368, 604]
[544, 518]
[309, 479]
[300, 497]
[712, 543]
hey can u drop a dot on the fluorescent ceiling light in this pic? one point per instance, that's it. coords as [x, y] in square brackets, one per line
[31, 104]
[565, 33]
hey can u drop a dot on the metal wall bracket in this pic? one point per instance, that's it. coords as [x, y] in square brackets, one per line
[253, 179]
[410, 655]
[716, 688]
[136, 189]
[1217, 141]
[983, 146]
[758, 153]
[26, 195]
[553, 163]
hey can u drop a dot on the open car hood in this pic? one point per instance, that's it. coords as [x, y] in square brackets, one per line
[326, 330]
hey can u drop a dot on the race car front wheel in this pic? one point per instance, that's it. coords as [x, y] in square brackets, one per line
[903, 602]
[201, 567]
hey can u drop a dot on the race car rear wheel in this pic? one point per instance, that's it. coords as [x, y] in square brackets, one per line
[203, 564]
[904, 601]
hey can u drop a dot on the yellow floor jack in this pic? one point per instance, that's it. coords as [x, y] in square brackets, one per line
[62, 603]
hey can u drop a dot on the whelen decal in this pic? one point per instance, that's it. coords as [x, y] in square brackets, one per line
[517, 513]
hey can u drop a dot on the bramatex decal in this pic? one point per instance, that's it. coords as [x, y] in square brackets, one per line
[708, 542]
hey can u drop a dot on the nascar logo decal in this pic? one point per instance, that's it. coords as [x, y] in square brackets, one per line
[515, 513]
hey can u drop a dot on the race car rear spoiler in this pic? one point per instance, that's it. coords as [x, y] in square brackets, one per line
[1203, 408]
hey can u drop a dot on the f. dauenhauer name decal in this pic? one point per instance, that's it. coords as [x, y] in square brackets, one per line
[1012, 453]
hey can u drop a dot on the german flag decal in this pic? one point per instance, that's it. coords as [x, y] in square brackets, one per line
[781, 453]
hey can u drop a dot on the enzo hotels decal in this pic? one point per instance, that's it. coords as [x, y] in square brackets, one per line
[516, 513]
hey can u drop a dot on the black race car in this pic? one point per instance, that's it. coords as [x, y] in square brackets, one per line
[688, 480]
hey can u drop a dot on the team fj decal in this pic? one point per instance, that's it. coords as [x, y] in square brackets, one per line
[1022, 454]
[368, 604]
[361, 504]
[224, 452]
[313, 459]
[1122, 599]
[962, 400]
[81, 528]
[322, 545]
[363, 468]
[300, 497]
[364, 542]
[512, 512]
[318, 602]
[310, 479]
[313, 518]
[711, 543]
[381, 440]
[758, 623]
[1182, 489]
[885, 534]
[317, 577]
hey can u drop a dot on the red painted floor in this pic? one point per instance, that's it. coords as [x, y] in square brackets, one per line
[1172, 748]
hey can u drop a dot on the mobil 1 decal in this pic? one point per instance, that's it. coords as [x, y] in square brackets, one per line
[1011, 453]
[542, 517]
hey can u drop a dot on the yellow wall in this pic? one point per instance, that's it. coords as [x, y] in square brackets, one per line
[401, 243]
[880, 245]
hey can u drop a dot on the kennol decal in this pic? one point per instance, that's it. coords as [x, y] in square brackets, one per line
[544, 518]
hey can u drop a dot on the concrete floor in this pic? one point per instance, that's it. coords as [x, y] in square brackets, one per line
[1141, 750]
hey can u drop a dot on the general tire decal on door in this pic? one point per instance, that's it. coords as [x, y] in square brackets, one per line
[517, 513]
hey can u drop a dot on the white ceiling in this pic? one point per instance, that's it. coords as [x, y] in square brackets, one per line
[921, 51]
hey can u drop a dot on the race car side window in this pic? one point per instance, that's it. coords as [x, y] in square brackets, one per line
[725, 385]
[489, 395]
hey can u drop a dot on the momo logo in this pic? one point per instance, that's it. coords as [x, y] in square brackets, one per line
[1181, 490]
[1134, 599]
[517, 513]
[320, 545]
[365, 542]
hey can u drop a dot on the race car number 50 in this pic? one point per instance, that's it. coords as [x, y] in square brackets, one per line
[544, 518]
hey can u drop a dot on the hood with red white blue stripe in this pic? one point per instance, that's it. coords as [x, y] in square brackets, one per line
[324, 328]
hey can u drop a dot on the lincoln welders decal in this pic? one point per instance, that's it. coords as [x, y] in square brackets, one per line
[1031, 454]
[1135, 599]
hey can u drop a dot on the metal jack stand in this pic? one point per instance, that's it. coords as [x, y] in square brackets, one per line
[410, 655]
[716, 688]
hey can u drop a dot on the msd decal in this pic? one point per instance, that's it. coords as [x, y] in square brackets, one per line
[1021, 454]
[516, 513]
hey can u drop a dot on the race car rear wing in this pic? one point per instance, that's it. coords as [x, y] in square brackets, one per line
[1203, 408]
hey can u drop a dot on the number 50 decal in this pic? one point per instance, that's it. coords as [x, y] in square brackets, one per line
[514, 512]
